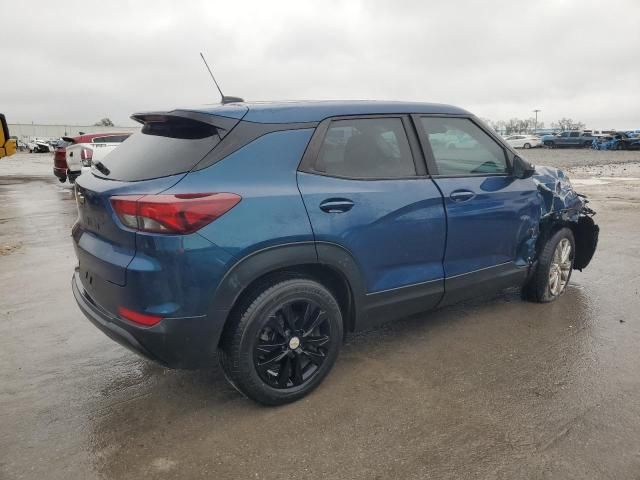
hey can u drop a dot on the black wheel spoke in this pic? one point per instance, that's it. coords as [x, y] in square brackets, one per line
[277, 325]
[316, 341]
[319, 317]
[308, 310]
[272, 360]
[270, 347]
[315, 357]
[289, 316]
[297, 370]
[285, 372]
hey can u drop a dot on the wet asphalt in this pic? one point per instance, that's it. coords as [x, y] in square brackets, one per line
[493, 388]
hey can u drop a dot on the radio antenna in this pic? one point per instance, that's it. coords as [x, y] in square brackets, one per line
[225, 99]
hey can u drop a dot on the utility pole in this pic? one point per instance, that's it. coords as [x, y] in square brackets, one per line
[535, 128]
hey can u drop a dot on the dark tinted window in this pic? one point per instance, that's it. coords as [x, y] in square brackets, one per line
[366, 148]
[575, 134]
[111, 139]
[164, 147]
[460, 147]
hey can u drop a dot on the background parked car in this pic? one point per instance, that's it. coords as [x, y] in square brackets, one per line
[88, 142]
[60, 160]
[524, 141]
[39, 145]
[618, 141]
[574, 138]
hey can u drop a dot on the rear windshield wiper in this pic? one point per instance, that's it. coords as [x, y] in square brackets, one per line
[101, 168]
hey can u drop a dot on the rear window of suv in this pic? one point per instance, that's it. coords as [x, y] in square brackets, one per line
[169, 146]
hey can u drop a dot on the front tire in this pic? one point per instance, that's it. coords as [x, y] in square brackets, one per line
[527, 145]
[282, 340]
[554, 268]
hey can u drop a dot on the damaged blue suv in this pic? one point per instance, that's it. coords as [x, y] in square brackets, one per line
[259, 233]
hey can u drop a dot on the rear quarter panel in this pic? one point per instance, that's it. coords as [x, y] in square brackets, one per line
[263, 173]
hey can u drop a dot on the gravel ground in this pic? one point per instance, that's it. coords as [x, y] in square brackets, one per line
[575, 157]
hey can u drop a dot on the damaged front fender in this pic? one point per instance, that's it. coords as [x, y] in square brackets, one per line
[561, 206]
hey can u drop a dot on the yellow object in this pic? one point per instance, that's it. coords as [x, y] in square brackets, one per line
[7, 145]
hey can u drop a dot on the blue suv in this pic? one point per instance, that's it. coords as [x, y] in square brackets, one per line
[260, 233]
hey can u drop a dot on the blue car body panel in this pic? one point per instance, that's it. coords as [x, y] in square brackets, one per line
[300, 112]
[230, 111]
[263, 173]
[396, 229]
[100, 238]
[492, 227]
[150, 273]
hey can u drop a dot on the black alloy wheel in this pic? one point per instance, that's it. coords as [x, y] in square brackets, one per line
[282, 339]
[291, 347]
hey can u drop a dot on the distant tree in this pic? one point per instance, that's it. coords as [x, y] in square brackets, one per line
[487, 121]
[514, 125]
[521, 125]
[105, 122]
[499, 126]
[567, 124]
[495, 126]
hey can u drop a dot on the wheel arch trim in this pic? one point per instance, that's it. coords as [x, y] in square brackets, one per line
[282, 257]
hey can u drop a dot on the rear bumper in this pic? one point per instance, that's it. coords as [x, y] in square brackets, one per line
[189, 342]
[73, 175]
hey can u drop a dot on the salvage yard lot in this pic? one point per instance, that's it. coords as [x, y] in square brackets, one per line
[495, 388]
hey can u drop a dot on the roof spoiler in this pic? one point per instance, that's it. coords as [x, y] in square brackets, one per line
[218, 121]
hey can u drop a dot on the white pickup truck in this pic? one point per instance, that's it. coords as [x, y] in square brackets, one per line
[80, 156]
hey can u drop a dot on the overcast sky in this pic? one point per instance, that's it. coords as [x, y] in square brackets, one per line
[76, 62]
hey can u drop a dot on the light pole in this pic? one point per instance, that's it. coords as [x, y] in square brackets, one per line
[535, 128]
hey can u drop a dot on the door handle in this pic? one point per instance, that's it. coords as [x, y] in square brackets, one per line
[461, 195]
[336, 205]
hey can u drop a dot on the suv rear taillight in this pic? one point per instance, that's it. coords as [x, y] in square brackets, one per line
[176, 214]
[86, 154]
[59, 158]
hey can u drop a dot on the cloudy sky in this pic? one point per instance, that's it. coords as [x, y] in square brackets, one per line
[76, 62]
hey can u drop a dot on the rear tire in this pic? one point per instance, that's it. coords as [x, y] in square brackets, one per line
[282, 340]
[527, 145]
[553, 271]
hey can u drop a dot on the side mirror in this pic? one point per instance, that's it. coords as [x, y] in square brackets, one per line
[522, 168]
[7, 144]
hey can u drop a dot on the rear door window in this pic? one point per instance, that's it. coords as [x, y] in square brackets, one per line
[366, 148]
[164, 147]
[460, 147]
